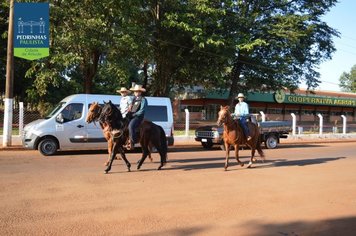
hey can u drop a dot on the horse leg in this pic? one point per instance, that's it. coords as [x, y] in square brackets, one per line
[113, 154]
[236, 146]
[123, 156]
[227, 148]
[253, 159]
[145, 153]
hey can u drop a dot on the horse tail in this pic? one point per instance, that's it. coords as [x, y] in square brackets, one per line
[164, 147]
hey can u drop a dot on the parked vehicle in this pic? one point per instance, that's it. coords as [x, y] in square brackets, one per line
[271, 133]
[65, 127]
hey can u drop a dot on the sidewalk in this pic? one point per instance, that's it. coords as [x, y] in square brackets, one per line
[189, 140]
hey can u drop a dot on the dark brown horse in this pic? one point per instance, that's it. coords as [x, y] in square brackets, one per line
[151, 135]
[93, 116]
[233, 135]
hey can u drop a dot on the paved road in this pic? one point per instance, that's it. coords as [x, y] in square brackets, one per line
[307, 189]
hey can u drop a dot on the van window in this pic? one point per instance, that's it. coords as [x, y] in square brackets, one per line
[72, 111]
[54, 111]
[156, 113]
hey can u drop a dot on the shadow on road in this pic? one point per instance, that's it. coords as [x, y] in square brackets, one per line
[219, 162]
[328, 227]
[303, 162]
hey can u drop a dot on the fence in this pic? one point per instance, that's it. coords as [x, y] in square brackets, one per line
[21, 117]
[187, 125]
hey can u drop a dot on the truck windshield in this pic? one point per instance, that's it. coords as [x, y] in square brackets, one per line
[55, 110]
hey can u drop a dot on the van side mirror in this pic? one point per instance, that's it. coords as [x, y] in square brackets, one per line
[59, 118]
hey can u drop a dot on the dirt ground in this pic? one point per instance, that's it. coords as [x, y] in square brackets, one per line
[303, 189]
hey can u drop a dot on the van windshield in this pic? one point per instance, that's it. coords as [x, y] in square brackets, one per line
[55, 110]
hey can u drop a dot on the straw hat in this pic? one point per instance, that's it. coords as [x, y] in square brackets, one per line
[138, 88]
[240, 95]
[123, 90]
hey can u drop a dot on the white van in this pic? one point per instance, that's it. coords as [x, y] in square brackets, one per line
[55, 133]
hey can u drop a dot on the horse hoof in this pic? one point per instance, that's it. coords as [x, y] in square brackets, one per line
[128, 170]
[159, 168]
[242, 164]
[106, 171]
[138, 167]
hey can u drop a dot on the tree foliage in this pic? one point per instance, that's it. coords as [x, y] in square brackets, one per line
[348, 80]
[98, 46]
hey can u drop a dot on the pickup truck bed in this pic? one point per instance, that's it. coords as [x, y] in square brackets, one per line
[271, 133]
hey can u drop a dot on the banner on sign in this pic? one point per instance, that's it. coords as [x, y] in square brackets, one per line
[31, 30]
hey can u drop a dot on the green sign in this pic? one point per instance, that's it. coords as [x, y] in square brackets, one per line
[31, 30]
[329, 101]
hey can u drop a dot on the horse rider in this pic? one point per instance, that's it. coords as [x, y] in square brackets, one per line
[137, 112]
[242, 113]
[125, 101]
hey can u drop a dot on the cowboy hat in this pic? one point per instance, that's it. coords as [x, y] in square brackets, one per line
[123, 90]
[240, 95]
[138, 88]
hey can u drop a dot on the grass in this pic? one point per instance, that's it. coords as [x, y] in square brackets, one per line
[15, 131]
[182, 132]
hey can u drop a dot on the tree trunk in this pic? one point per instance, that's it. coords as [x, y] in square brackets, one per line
[145, 74]
[90, 69]
[235, 78]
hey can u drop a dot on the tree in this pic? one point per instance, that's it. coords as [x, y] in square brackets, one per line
[277, 43]
[348, 80]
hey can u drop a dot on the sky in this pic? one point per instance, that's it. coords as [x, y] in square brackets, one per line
[341, 17]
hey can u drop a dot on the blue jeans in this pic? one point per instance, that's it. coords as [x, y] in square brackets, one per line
[244, 126]
[133, 125]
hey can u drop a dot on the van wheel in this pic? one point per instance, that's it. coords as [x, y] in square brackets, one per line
[271, 142]
[48, 146]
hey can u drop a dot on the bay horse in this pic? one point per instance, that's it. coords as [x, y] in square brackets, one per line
[233, 135]
[94, 112]
[151, 135]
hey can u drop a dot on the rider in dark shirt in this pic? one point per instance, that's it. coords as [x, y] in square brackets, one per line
[137, 112]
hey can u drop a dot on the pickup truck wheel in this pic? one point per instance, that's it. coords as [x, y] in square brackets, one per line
[48, 146]
[207, 145]
[271, 142]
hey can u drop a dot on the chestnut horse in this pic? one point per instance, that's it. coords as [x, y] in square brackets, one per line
[233, 135]
[93, 116]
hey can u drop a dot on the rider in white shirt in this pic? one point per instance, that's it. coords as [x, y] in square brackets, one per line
[125, 101]
[242, 113]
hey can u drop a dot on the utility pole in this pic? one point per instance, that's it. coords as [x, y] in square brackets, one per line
[7, 129]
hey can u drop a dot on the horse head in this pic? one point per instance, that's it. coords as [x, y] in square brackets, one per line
[93, 112]
[223, 115]
[111, 115]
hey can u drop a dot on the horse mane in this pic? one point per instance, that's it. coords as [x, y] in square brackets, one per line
[112, 116]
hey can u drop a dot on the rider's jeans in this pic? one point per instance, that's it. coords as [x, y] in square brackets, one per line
[134, 124]
[244, 126]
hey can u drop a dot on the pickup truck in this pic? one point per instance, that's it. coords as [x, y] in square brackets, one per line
[271, 133]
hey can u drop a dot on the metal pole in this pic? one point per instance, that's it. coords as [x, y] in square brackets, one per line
[21, 118]
[320, 124]
[186, 122]
[294, 123]
[9, 81]
[343, 124]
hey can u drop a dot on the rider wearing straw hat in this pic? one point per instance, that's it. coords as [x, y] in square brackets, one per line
[125, 101]
[242, 113]
[137, 111]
